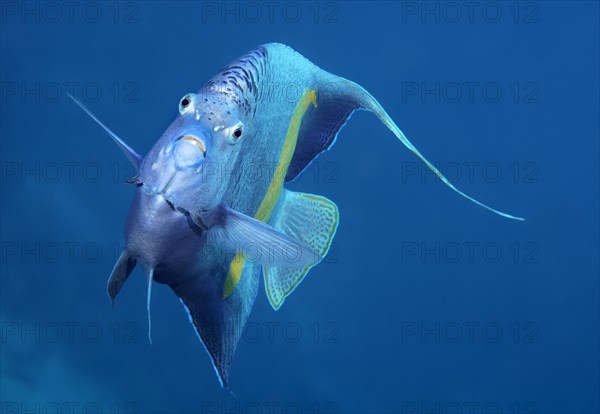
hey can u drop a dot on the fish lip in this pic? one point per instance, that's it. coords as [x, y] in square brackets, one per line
[166, 196]
[194, 140]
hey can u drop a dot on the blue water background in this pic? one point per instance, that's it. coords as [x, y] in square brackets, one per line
[385, 323]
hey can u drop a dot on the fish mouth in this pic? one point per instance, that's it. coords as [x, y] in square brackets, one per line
[197, 142]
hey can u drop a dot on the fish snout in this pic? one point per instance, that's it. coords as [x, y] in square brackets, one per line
[189, 151]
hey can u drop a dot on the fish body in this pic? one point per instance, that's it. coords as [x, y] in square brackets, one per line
[211, 213]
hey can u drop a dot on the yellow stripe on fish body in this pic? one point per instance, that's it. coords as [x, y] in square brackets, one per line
[274, 191]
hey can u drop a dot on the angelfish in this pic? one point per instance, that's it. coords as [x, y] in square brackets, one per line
[206, 220]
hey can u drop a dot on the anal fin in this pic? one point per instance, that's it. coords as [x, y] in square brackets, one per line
[219, 322]
[308, 218]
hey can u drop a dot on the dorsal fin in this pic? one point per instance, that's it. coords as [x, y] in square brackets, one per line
[337, 99]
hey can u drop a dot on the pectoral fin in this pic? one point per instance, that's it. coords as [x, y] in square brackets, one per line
[231, 230]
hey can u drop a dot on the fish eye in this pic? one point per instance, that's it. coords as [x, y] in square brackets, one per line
[186, 103]
[236, 133]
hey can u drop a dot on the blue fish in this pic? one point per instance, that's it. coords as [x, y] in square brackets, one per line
[208, 218]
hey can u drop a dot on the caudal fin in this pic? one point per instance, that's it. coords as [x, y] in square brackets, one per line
[308, 218]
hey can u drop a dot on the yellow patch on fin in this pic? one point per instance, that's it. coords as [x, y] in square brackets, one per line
[274, 191]
[234, 275]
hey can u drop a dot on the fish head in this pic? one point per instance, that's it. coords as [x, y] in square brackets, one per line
[187, 164]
